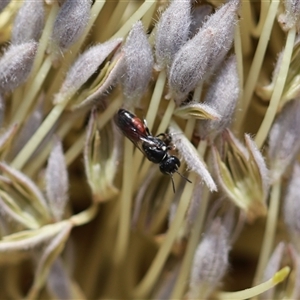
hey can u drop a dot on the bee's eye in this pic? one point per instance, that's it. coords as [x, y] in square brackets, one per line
[170, 165]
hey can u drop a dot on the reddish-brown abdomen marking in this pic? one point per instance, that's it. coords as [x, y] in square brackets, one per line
[139, 125]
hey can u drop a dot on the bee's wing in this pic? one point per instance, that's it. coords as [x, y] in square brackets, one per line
[136, 134]
[139, 144]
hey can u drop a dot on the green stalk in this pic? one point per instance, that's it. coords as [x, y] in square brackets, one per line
[257, 63]
[144, 287]
[270, 230]
[278, 90]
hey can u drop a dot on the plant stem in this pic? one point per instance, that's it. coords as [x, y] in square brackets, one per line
[264, 9]
[141, 11]
[126, 204]
[166, 118]
[114, 20]
[278, 89]
[270, 230]
[257, 290]
[239, 58]
[185, 268]
[147, 283]
[257, 63]
[155, 99]
[43, 43]
[26, 152]
[28, 100]
[85, 216]
[77, 147]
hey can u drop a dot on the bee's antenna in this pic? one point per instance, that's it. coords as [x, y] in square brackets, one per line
[183, 177]
[173, 184]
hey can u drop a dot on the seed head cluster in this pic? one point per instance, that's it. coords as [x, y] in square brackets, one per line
[209, 95]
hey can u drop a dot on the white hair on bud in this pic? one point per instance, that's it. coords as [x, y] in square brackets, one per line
[204, 52]
[172, 32]
[28, 25]
[16, 64]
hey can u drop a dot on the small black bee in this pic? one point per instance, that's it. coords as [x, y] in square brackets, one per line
[154, 148]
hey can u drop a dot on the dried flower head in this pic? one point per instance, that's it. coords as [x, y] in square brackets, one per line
[84, 67]
[22, 200]
[99, 161]
[243, 175]
[102, 85]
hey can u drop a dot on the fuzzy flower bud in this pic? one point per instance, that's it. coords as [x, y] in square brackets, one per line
[292, 206]
[222, 95]
[27, 25]
[191, 156]
[291, 17]
[210, 262]
[57, 181]
[84, 67]
[243, 175]
[16, 64]
[138, 64]
[199, 15]
[204, 52]
[284, 142]
[102, 85]
[70, 23]
[172, 32]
